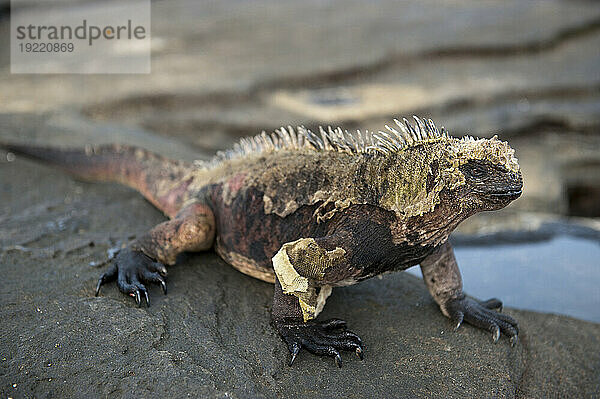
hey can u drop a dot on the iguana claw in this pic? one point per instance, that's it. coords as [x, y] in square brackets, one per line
[482, 315]
[359, 353]
[321, 338]
[130, 268]
[294, 351]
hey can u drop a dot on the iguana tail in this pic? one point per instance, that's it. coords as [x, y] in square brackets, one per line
[158, 179]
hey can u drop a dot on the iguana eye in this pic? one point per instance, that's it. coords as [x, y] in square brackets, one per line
[476, 171]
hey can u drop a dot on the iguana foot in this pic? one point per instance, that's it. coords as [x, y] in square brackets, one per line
[130, 268]
[483, 315]
[321, 338]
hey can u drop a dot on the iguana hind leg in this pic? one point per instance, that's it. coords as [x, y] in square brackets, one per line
[193, 229]
[442, 277]
[300, 295]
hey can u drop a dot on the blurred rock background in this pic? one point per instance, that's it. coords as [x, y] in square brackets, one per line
[528, 71]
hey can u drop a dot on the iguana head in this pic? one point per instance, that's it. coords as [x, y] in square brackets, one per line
[483, 173]
[423, 167]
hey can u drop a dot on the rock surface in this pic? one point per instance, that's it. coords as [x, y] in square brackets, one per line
[525, 70]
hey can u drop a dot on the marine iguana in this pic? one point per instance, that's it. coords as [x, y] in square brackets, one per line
[310, 212]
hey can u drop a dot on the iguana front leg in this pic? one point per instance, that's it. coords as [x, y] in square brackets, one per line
[442, 277]
[300, 294]
[144, 260]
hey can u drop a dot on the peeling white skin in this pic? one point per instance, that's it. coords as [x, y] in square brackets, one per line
[304, 287]
[324, 293]
[268, 204]
[289, 278]
[293, 283]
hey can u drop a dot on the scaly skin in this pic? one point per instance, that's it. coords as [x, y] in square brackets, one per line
[311, 213]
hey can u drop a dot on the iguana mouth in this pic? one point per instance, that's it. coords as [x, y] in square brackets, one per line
[511, 194]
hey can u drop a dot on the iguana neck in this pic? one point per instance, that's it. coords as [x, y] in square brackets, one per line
[408, 182]
[413, 185]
